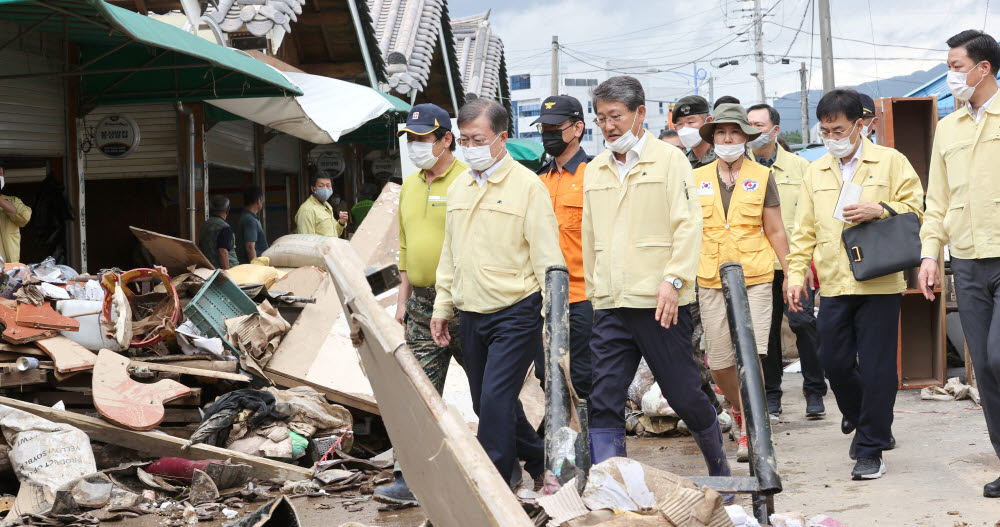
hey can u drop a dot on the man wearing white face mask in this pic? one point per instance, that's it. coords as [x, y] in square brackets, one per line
[641, 232]
[422, 206]
[690, 114]
[500, 237]
[858, 322]
[961, 211]
[787, 171]
[742, 223]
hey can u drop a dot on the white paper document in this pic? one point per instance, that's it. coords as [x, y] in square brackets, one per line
[849, 195]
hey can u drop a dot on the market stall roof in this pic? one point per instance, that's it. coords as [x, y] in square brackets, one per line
[328, 109]
[528, 152]
[130, 58]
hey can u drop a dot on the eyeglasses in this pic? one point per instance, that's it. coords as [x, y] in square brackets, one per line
[477, 141]
[615, 119]
[837, 134]
[539, 128]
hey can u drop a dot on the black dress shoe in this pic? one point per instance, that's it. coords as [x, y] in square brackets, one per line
[814, 406]
[892, 443]
[846, 426]
[992, 490]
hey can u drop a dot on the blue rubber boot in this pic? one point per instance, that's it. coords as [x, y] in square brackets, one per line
[606, 443]
[710, 443]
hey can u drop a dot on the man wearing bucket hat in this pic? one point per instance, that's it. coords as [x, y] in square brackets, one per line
[742, 223]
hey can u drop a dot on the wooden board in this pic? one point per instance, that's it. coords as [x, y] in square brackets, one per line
[21, 349]
[161, 445]
[175, 254]
[197, 372]
[377, 238]
[303, 282]
[126, 402]
[446, 468]
[67, 355]
[16, 334]
[86, 398]
[44, 317]
[9, 379]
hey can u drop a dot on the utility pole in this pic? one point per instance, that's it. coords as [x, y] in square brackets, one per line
[711, 89]
[804, 98]
[826, 44]
[758, 32]
[555, 65]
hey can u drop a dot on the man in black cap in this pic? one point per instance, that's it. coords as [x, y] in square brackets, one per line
[868, 118]
[562, 127]
[690, 113]
[422, 206]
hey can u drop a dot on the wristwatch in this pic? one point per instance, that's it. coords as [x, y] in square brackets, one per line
[674, 281]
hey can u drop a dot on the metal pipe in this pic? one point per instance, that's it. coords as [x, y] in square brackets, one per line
[447, 67]
[356, 17]
[559, 444]
[763, 464]
[583, 460]
[191, 209]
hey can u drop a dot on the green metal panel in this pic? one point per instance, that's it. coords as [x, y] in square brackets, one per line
[130, 58]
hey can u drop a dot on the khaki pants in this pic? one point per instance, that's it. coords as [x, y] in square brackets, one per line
[718, 343]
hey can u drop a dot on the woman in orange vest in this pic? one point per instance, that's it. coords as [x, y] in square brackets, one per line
[742, 223]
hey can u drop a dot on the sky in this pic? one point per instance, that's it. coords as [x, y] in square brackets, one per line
[908, 35]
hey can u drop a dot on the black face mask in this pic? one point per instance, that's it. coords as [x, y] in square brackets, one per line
[553, 142]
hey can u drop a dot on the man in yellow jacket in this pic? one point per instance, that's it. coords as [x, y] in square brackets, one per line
[641, 240]
[787, 170]
[962, 201]
[858, 321]
[15, 215]
[500, 237]
[315, 216]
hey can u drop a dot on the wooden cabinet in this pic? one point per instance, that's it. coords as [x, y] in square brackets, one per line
[907, 124]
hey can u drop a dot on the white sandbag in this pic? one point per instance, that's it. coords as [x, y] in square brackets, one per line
[45, 455]
[91, 334]
[297, 250]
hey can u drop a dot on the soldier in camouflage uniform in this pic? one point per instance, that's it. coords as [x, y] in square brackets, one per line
[433, 358]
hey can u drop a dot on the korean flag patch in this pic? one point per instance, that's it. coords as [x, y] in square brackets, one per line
[705, 189]
[750, 185]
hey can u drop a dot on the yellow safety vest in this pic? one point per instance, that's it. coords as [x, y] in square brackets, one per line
[740, 236]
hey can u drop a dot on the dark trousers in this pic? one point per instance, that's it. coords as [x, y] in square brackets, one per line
[977, 286]
[860, 335]
[498, 349]
[581, 323]
[803, 324]
[621, 338]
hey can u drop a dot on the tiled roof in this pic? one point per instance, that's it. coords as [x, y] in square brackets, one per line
[407, 33]
[480, 56]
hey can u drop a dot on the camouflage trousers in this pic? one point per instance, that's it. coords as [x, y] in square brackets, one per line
[699, 357]
[433, 358]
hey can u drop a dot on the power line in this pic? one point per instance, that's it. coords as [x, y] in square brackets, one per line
[987, 15]
[799, 30]
[871, 43]
[878, 88]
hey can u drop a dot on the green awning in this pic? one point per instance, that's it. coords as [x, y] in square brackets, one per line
[398, 104]
[130, 58]
[529, 153]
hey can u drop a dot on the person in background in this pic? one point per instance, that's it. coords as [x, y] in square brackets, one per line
[741, 214]
[315, 216]
[869, 120]
[725, 99]
[787, 170]
[561, 124]
[216, 239]
[500, 237]
[670, 137]
[961, 204]
[251, 241]
[15, 216]
[690, 114]
[422, 207]
[641, 233]
[360, 209]
[858, 321]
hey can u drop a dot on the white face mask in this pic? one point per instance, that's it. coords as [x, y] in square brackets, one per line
[626, 141]
[865, 129]
[762, 140]
[689, 137]
[479, 157]
[841, 148]
[730, 153]
[958, 84]
[422, 154]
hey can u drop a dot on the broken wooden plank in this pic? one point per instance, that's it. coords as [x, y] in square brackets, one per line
[86, 398]
[446, 468]
[126, 402]
[171, 415]
[9, 379]
[197, 372]
[304, 281]
[173, 253]
[161, 445]
[44, 317]
[20, 349]
[17, 334]
[67, 355]
[221, 366]
[359, 402]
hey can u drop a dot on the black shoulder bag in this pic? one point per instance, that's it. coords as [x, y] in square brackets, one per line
[883, 247]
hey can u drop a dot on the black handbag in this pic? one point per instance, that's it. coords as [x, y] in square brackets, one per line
[883, 247]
